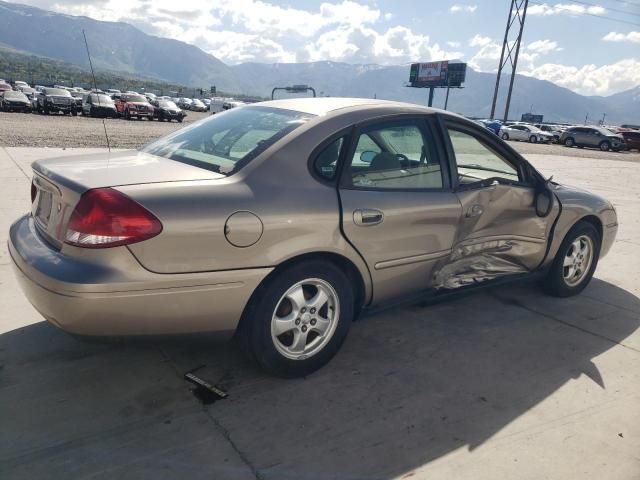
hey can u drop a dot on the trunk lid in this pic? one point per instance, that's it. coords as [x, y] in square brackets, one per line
[60, 182]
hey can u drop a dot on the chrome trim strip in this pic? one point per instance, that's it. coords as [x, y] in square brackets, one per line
[425, 257]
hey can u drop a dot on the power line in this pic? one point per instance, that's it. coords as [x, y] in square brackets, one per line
[590, 14]
[626, 2]
[625, 12]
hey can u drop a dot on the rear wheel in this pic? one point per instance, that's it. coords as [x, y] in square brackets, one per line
[575, 261]
[297, 322]
[569, 142]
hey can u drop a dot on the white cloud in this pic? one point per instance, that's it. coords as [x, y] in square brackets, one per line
[633, 37]
[454, 44]
[545, 9]
[543, 46]
[365, 45]
[479, 41]
[591, 79]
[463, 8]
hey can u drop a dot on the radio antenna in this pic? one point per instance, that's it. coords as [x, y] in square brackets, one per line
[95, 87]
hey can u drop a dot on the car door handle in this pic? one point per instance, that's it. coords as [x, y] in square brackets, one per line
[367, 216]
[475, 211]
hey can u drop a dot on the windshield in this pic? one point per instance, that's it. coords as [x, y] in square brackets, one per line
[57, 91]
[10, 95]
[134, 98]
[103, 99]
[226, 142]
[167, 104]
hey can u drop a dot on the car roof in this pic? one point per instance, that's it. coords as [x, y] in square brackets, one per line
[324, 105]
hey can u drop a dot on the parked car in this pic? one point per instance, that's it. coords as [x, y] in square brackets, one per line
[112, 91]
[525, 133]
[553, 130]
[150, 97]
[5, 86]
[631, 139]
[54, 100]
[184, 103]
[594, 137]
[493, 125]
[221, 227]
[197, 106]
[134, 106]
[19, 84]
[167, 110]
[98, 105]
[14, 101]
[78, 95]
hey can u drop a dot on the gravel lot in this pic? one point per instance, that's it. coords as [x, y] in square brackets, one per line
[33, 130]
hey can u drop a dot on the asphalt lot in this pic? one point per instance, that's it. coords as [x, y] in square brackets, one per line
[34, 130]
[507, 383]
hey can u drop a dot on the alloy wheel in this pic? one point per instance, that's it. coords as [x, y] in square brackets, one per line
[305, 319]
[577, 260]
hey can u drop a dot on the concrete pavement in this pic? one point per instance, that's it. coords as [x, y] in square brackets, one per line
[507, 383]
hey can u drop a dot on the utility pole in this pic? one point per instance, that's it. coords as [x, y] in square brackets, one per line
[446, 100]
[604, 115]
[510, 51]
[430, 104]
[586, 118]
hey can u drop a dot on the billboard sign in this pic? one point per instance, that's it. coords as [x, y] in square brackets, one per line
[437, 74]
[531, 118]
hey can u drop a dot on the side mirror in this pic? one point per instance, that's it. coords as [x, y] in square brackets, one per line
[544, 202]
[367, 156]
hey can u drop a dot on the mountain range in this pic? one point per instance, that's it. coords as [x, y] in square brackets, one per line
[117, 46]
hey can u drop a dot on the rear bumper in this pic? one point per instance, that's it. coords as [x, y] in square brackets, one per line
[108, 293]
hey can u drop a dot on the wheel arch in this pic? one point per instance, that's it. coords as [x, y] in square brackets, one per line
[593, 220]
[343, 263]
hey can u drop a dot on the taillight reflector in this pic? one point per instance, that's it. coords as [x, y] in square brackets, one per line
[106, 218]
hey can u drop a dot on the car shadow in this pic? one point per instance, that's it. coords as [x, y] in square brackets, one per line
[408, 387]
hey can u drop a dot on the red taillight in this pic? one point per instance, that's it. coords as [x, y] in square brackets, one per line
[107, 218]
[34, 192]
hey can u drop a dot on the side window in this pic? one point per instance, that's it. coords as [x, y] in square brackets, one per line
[326, 162]
[397, 157]
[476, 162]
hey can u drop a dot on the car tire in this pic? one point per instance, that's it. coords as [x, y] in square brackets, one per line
[45, 109]
[505, 136]
[180, 120]
[604, 146]
[570, 274]
[533, 139]
[569, 142]
[285, 354]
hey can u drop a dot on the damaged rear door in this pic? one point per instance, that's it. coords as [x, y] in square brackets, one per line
[500, 232]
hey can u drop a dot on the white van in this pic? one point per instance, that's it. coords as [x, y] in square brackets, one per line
[217, 104]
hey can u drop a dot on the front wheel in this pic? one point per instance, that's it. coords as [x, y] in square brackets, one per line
[533, 139]
[569, 142]
[505, 136]
[605, 146]
[575, 261]
[297, 322]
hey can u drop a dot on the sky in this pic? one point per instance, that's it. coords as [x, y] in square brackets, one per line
[589, 46]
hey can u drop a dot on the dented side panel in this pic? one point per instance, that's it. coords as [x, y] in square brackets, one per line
[499, 234]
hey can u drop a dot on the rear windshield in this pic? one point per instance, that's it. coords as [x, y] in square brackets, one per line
[99, 98]
[57, 91]
[226, 142]
[134, 98]
[14, 95]
[167, 104]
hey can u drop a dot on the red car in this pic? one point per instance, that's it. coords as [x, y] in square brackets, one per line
[631, 139]
[134, 106]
